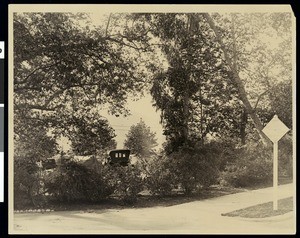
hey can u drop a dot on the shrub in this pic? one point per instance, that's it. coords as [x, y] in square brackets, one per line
[191, 168]
[125, 181]
[195, 168]
[72, 181]
[285, 157]
[160, 180]
[27, 184]
[252, 168]
[91, 181]
[224, 152]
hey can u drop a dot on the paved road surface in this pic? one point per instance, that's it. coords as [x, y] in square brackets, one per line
[198, 217]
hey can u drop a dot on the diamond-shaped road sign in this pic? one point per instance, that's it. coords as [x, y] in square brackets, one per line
[275, 129]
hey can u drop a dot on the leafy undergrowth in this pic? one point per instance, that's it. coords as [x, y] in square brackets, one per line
[264, 210]
[146, 200]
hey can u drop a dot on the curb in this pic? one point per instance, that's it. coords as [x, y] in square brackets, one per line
[286, 216]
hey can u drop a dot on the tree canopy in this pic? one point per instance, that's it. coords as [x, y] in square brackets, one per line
[63, 70]
[196, 94]
[207, 73]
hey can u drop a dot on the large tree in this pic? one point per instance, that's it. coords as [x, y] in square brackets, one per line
[195, 93]
[257, 51]
[235, 47]
[64, 70]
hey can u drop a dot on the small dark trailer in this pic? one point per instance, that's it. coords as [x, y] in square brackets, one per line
[120, 157]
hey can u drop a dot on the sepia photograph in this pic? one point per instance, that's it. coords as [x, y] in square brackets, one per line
[152, 119]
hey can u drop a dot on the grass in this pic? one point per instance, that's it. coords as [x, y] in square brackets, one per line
[264, 210]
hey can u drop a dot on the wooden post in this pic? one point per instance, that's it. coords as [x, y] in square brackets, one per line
[275, 176]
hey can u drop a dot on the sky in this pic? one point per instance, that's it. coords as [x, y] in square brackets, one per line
[141, 109]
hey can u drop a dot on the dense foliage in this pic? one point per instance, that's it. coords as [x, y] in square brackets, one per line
[126, 182]
[72, 181]
[190, 169]
[90, 134]
[253, 165]
[64, 74]
[195, 94]
[26, 184]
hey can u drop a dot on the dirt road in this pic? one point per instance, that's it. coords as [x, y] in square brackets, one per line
[199, 217]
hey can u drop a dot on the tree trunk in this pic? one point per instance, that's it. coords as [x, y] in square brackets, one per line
[244, 120]
[186, 98]
[201, 117]
[186, 115]
[244, 114]
[238, 82]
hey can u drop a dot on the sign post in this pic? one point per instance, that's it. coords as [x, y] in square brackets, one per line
[275, 175]
[275, 130]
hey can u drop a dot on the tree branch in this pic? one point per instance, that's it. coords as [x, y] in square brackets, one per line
[106, 29]
[37, 107]
[34, 71]
[125, 44]
[259, 97]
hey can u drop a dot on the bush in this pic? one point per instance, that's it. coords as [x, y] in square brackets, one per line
[27, 184]
[72, 181]
[224, 152]
[253, 167]
[285, 157]
[125, 181]
[91, 181]
[160, 180]
[191, 168]
[195, 168]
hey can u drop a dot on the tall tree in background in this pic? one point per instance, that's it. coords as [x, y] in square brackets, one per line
[141, 140]
[195, 93]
